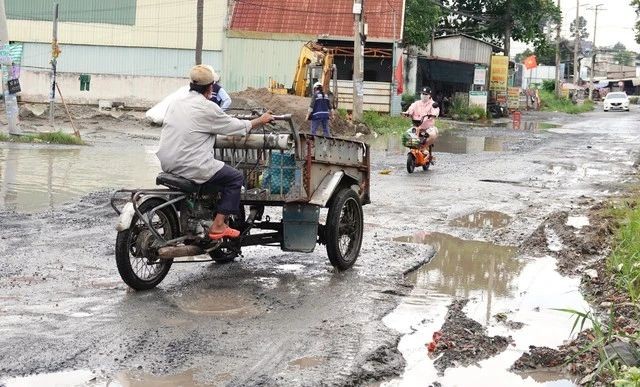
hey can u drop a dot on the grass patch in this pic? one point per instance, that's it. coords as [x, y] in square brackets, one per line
[44, 138]
[623, 265]
[461, 111]
[624, 261]
[386, 124]
[550, 102]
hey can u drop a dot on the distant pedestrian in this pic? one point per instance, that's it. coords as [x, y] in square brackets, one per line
[219, 95]
[320, 110]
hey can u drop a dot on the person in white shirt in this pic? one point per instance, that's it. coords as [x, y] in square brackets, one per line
[186, 145]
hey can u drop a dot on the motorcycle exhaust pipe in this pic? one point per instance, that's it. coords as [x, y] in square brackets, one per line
[179, 251]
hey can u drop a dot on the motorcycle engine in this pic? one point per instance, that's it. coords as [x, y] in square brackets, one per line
[200, 210]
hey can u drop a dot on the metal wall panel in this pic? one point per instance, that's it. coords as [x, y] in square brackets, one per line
[448, 48]
[86, 11]
[473, 51]
[250, 62]
[158, 23]
[160, 62]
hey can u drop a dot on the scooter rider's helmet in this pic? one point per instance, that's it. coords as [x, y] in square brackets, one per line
[425, 90]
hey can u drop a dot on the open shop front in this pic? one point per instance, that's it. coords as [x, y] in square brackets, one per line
[447, 79]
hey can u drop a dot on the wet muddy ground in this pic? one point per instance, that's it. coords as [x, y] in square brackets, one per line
[502, 210]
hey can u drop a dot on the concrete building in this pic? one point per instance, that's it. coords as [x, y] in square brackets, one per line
[448, 67]
[276, 30]
[136, 51]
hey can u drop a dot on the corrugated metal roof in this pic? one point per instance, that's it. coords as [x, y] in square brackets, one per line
[313, 17]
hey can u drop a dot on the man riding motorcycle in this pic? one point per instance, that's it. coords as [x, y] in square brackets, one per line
[186, 145]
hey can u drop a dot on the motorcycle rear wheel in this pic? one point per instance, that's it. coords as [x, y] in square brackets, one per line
[136, 270]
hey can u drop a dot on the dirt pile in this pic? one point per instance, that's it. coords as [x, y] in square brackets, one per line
[297, 106]
[463, 341]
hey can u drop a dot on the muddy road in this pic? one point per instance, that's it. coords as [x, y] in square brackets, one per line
[274, 318]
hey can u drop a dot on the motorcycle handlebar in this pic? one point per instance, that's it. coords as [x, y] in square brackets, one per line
[281, 117]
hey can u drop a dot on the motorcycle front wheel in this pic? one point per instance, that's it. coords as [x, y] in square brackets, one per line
[137, 270]
[411, 163]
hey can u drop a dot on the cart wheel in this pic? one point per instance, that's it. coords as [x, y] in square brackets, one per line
[426, 166]
[344, 229]
[411, 163]
[225, 255]
[136, 270]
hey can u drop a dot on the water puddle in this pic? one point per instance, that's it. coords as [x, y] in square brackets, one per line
[64, 378]
[482, 219]
[498, 283]
[446, 143]
[184, 379]
[217, 302]
[306, 362]
[85, 378]
[38, 177]
[530, 126]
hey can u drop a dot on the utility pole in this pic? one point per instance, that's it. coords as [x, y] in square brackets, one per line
[358, 61]
[394, 66]
[593, 54]
[558, 29]
[199, 28]
[10, 100]
[54, 63]
[576, 44]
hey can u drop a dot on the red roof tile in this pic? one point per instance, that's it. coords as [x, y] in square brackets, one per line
[317, 17]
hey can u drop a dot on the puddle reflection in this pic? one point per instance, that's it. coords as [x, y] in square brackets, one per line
[38, 177]
[463, 268]
[446, 143]
[482, 219]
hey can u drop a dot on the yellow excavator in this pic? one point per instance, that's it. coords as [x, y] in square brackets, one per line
[315, 64]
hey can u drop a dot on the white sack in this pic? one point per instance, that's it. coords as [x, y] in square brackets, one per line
[156, 113]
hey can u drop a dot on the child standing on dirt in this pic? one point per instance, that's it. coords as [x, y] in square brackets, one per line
[320, 110]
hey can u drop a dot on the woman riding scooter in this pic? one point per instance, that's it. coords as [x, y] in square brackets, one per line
[423, 114]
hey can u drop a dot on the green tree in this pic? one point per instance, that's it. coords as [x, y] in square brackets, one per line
[499, 21]
[578, 28]
[621, 56]
[421, 19]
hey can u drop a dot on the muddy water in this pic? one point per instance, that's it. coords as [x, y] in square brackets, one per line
[482, 219]
[36, 177]
[217, 302]
[496, 281]
[447, 143]
[85, 378]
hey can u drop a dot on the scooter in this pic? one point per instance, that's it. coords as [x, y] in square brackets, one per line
[420, 154]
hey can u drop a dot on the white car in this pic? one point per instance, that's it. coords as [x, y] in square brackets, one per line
[617, 100]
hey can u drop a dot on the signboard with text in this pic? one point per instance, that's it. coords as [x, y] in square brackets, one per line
[513, 98]
[478, 98]
[499, 73]
[480, 75]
